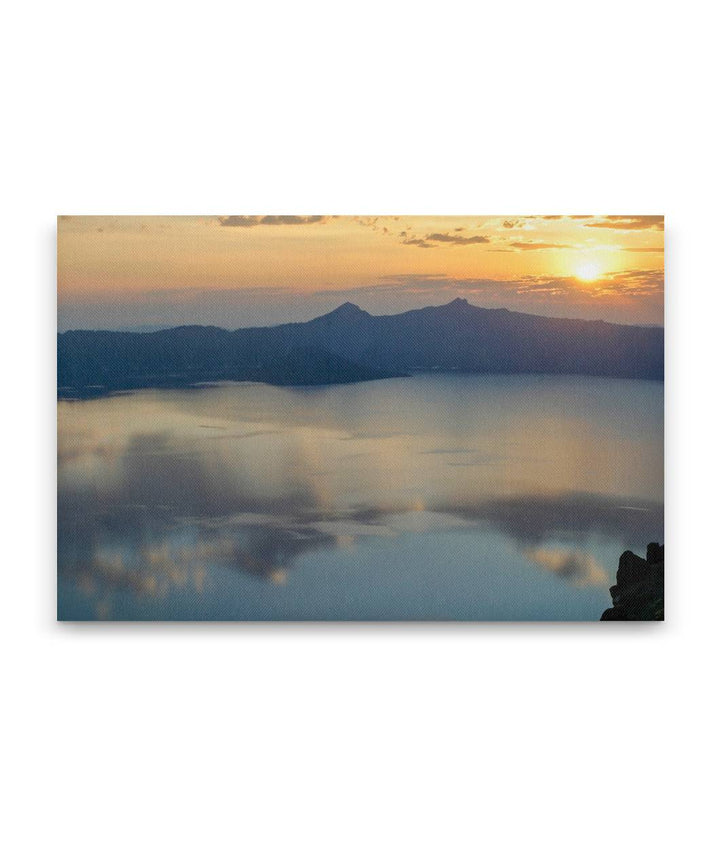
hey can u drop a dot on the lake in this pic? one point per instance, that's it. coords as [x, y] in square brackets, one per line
[440, 496]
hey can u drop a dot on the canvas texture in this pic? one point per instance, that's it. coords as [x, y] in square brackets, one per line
[370, 418]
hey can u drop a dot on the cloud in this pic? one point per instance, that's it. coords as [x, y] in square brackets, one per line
[447, 238]
[520, 222]
[633, 283]
[533, 519]
[370, 222]
[624, 296]
[418, 242]
[247, 222]
[628, 222]
[643, 249]
[539, 245]
[578, 569]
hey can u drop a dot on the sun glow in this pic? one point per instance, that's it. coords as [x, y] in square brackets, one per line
[587, 271]
[253, 270]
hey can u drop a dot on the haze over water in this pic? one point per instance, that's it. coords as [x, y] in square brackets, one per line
[430, 497]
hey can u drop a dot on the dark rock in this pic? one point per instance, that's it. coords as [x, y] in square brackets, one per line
[655, 553]
[614, 614]
[631, 570]
[639, 594]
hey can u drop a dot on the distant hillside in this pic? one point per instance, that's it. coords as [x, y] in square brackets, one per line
[349, 345]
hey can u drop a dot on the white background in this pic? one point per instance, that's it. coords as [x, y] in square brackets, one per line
[359, 739]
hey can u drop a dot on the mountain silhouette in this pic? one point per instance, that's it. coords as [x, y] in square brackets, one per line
[345, 312]
[349, 344]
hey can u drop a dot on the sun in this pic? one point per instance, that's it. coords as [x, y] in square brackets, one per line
[587, 271]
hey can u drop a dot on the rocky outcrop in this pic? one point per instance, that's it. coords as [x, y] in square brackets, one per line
[639, 594]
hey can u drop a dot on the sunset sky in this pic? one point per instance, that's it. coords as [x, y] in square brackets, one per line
[240, 270]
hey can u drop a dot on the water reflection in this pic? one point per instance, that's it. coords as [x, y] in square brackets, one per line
[180, 504]
[579, 569]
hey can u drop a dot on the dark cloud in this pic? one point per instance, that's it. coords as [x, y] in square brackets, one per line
[271, 220]
[533, 519]
[369, 222]
[418, 242]
[446, 238]
[628, 222]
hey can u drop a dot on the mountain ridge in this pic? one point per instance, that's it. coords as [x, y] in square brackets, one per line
[456, 301]
[349, 344]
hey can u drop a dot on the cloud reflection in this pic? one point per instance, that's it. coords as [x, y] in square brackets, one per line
[579, 569]
[532, 519]
[152, 513]
[168, 520]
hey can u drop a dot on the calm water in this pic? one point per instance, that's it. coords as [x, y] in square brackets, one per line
[437, 496]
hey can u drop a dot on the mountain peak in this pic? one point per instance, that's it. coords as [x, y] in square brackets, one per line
[459, 301]
[347, 311]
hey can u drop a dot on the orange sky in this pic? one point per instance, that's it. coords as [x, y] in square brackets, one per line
[239, 270]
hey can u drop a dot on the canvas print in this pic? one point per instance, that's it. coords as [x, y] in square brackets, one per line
[370, 418]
